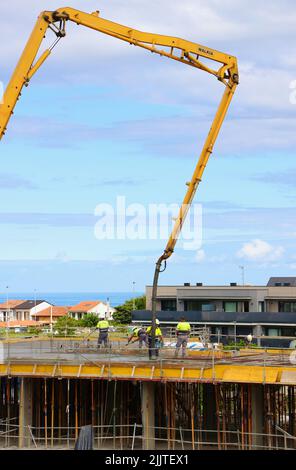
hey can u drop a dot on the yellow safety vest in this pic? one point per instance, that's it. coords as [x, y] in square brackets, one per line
[103, 325]
[138, 331]
[157, 331]
[183, 327]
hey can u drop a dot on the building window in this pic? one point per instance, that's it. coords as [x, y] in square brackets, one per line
[199, 306]
[288, 331]
[273, 332]
[244, 331]
[169, 305]
[230, 306]
[287, 307]
[261, 306]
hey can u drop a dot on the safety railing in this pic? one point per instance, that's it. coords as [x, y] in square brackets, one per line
[136, 436]
[231, 340]
[61, 351]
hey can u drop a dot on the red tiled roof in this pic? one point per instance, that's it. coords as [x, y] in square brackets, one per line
[84, 306]
[11, 304]
[56, 312]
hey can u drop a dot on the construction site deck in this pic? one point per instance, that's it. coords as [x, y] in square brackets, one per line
[238, 399]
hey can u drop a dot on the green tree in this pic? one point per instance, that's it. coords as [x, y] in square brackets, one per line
[90, 320]
[123, 312]
[66, 325]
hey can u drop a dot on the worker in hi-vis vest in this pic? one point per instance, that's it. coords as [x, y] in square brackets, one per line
[158, 339]
[103, 327]
[138, 334]
[183, 330]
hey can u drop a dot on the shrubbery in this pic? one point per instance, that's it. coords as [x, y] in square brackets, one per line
[123, 314]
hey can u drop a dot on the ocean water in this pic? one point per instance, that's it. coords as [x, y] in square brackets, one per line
[73, 298]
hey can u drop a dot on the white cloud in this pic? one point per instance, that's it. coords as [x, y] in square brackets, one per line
[245, 29]
[200, 256]
[259, 250]
[63, 257]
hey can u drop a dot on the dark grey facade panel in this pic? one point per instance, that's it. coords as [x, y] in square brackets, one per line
[219, 317]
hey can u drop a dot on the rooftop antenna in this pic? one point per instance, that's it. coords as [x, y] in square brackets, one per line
[134, 305]
[243, 274]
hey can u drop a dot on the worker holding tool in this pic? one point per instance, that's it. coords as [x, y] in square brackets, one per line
[103, 327]
[158, 339]
[183, 330]
[138, 334]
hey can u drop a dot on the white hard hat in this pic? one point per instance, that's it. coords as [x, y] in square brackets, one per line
[102, 316]
[157, 322]
[249, 338]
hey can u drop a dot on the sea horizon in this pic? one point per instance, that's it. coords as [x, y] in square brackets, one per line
[72, 298]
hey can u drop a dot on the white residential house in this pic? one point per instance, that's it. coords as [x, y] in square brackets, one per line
[21, 310]
[96, 307]
[7, 308]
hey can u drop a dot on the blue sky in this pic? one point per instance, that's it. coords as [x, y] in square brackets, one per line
[102, 119]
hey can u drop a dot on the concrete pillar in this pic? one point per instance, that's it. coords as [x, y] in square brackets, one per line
[257, 402]
[25, 412]
[209, 412]
[148, 415]
[257, 331]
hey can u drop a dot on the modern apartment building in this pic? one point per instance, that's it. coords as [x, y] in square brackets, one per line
[263, 311]
[279, 295]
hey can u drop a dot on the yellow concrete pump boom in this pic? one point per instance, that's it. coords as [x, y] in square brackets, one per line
[225, 70]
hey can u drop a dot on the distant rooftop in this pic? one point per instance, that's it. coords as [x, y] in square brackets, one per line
[28, 304]
[11, 304]
[282, 282]
[55, 311]
[273, 282]
[85, 306]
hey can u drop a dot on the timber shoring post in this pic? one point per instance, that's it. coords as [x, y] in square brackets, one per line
[217, 414]
[7, 396]
[52, 412]
[166, 414]
[114, 414]
[173, 415]
[38, 401]
[242, 416]
[121, 415]
[98, 413]
[68, 412]
[129, 394]
[59, 409]
[45, 411]
[250, 415]
[223, 411]
[76, 409]
[92, 402]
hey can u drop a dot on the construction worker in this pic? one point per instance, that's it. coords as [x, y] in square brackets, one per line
[103, 327]
[158, 339]
[183, 330]
[139, 334]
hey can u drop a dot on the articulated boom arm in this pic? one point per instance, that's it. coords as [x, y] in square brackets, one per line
[177, 49]
[225, 69]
